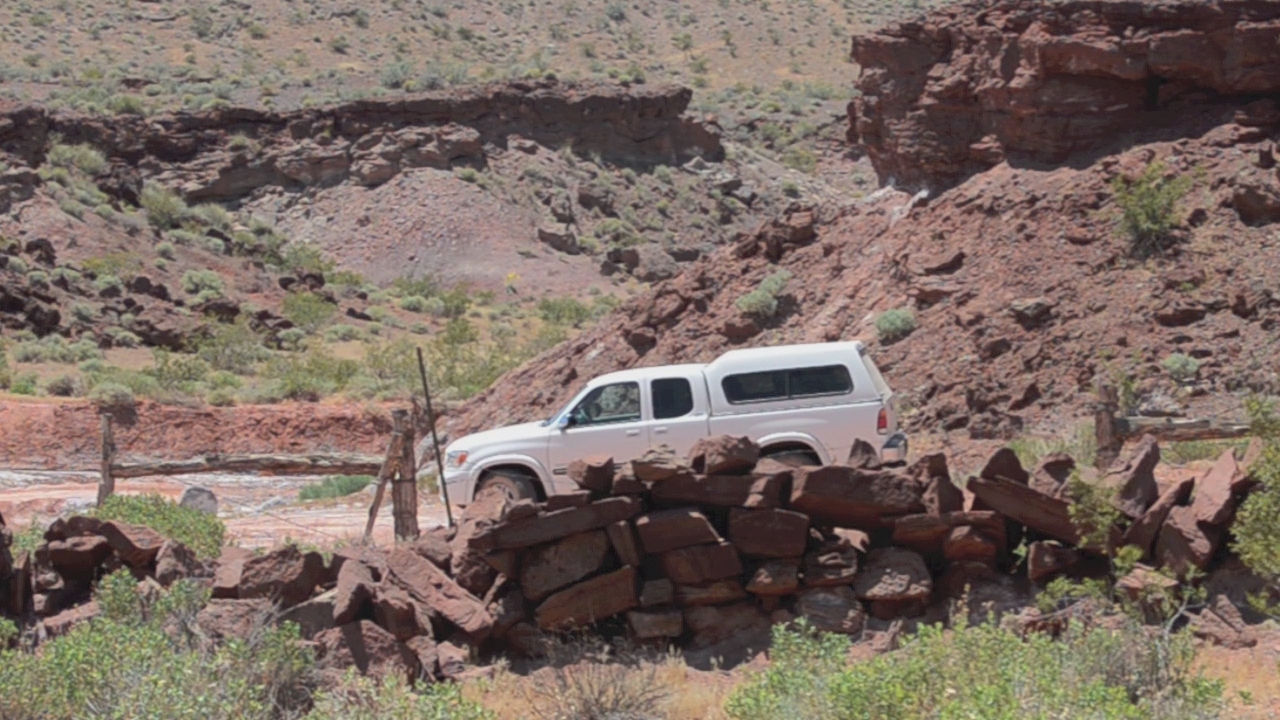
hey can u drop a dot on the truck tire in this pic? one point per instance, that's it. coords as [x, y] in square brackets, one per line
[795, 458]
[515, 485]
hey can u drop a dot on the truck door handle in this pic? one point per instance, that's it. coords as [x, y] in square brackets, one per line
[659, 430]
[632, 433]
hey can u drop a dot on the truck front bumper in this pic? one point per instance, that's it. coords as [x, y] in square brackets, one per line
[895, 449]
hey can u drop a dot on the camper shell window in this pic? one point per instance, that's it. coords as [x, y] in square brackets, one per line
[790, 383]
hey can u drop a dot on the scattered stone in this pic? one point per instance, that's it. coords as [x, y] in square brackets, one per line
[63, 622]
[483, 516]
[428, 585]
[590, 601]
[397, 613]
[1221, 624]
[76, 556]
[667, 530]
[428, 656]
[226, 577]
[1005, 464]
[768, 533]
[1215, 491]
[724, 455]
[833, 562]
[454, 656]
[1134, 478]
[928, 533]
[1028, 506]
[550, 567]
[656, 592]
[368, 648]
[775, 578]
[1051, 475]
[658, 464]
[625, 544]
[137, 546]
[1143, 532]
[577, 498]
[834, 609]
[1046, 560]
[176, 561]
[712, 593]
[507, 610]
[849, 497]
[313, 616]
[893, 574]
[1184, 543]
[354, 591]
[434, 547]
[650, 625]
[699, 564]
[593, 473]
[198, 498]
[286, 576]
[222, 620]
[969, 544]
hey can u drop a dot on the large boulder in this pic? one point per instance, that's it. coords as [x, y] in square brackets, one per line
[724, 455]
[851, 497]
[593, 473]
[312, 616]
[648, 625]
[775, 578]
[548, 568]
[548, 527]
[590, 601]
[1142, 532]
[432, 588]
[833, 561]
[699, 564]
[711, 625]
[768, 533]
[1051, 475]
[367, 648]
[658, 464]
[137, 546]
[1216, 491]
[1185, 543]
[893, 574]
[198, 498]
[353, 592]
[223, 619]
[1133, 478]
[1028, 506]
[286, 576]
[227, 570]
[1046, 560]
[176, 561]
[666, 530]
[833, 609]
[77, 557]
[467, 563]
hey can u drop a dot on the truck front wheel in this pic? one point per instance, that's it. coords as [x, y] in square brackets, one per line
[514, 485]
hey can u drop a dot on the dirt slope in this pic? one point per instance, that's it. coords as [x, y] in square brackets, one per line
[1024, 288]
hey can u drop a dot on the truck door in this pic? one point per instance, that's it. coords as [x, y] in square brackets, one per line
[607, 421]
[678, 411]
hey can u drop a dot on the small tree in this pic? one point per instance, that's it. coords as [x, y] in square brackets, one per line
[1149, 208]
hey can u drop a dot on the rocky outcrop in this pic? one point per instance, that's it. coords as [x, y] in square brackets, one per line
[972, 85]
[227, 153]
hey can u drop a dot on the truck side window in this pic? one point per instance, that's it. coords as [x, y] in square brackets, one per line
[615, 403]
[672, 398]
[829, 380]
[781, 384]
[754, 387]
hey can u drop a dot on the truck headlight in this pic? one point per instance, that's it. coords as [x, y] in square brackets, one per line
[456, 458]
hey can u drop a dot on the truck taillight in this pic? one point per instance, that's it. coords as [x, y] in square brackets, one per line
[882, 422]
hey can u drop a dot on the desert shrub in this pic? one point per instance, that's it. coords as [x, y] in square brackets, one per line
[414, 303]
[25, 384]
[221, 397]
[65, 385]
[311, 376]
[1257, 524]
[468, 175]
[83, 313]
[982, 671]
[1081, 444]
[390, 367]
[165, 209]
[233, 347]
[38, 279]
[564, 311]
[1188, 451]
[198, 530]
[292, 338]
[308, 310]
[335, 486]
[5, 373]
[590, 679]
[763, 301]
[55, 349]
[65, 275]
[177, 371]
[83, 158]
[18, 265]
[204, 284]
[361, 698]
[105, 283]
[140, 659]
[1182, 368]
[894, 325]
[214, 216]
[122, 338]
[342, 333]
[72, 208]
[396, 74]
[165, 250]
[455, 302]
[1149, 208]
[127, 105]
[110, 396]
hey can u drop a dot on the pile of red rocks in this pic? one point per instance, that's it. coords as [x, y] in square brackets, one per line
[698, 552]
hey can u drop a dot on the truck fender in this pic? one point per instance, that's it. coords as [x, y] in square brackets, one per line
[543, 476]
[794, 437]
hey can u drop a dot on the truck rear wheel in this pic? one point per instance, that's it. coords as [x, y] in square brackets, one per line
[514, 485]
[795, 458]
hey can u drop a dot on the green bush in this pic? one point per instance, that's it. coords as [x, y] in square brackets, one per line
[414, 303]
[141, 659]
[361, 698]
[763, 301]
[342, 333]
[311, 376]
[1149, 208]
[108, 282]
[214, 216]
[24, 384]
[165, 209]
[110, 396]
[564, 311]
[335, 486]
[82, 158]
[233, 347]
[200, 531]
[65, 386]
[5, 373]
[1257, 524]
[982, 672]
[202, 283]
[176, 371]
[1182, 368]
[308, 310]
[894, 325]
[55, 349]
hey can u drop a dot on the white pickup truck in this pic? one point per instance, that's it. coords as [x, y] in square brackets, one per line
[803, 404]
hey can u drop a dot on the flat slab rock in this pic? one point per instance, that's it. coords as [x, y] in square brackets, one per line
[429, 585]
[590, 601]
[667, 530]
[855, 498]
[548, 568]
[549, 527]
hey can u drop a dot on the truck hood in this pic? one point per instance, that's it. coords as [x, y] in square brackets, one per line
[503, 435]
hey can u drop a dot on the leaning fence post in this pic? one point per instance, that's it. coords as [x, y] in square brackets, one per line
[107, 483]
[404, 489]
[435, 439]
[1107, 431]
[389, 466]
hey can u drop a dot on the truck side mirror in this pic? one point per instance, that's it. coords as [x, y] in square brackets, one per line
[565, 422]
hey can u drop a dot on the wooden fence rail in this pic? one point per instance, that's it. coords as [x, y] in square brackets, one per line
[341, 464]
[1112, 429]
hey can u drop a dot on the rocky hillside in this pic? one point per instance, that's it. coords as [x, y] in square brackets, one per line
[1019, 287]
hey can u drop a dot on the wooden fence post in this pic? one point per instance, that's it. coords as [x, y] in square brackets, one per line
[107, 483]
[1110, 438]
[404, 489]
[395, 454]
